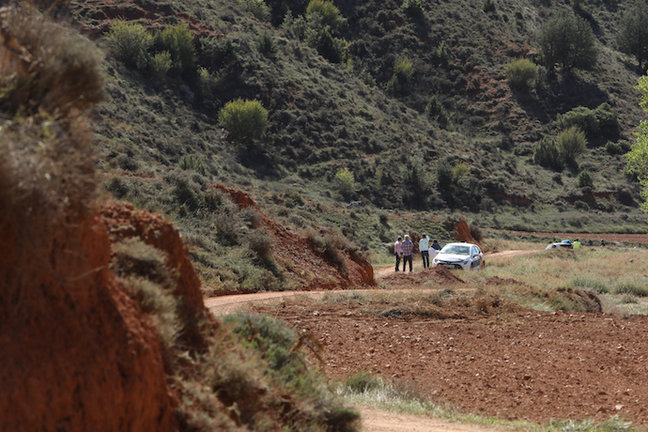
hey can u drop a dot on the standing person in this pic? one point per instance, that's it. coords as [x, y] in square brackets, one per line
[398, 251]
[424, 244]
[434, 249]
[407, 246]
[577, 244]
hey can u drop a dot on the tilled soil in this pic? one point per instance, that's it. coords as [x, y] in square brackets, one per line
[511, 363]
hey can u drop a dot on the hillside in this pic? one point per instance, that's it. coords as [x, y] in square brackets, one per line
[162, 145]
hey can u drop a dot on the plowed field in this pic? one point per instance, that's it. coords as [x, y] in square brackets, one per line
[507, 362]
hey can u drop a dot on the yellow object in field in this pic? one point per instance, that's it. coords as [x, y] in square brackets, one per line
[577, 244]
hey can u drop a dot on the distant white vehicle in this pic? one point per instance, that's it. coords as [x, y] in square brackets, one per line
[567, 244]
[460, 256]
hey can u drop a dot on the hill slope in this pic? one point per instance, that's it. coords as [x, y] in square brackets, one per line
[162, 144]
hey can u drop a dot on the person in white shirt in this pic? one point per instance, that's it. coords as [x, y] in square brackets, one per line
[424, 244]
[398, 251]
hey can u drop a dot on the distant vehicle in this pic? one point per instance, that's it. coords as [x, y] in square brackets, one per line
[460, 256]
[561, 244]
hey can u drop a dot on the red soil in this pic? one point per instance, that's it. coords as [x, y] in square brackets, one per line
[488, 356]
[306, 266]
[76, 351]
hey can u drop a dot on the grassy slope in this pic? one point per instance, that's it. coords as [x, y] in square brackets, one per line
[323, 117]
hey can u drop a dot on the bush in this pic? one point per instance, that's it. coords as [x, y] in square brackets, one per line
[161, 64]
[585, 179]
[546, 153]
[179, 42]
[345, 182]
[267, 45]
[258, 8]
[130, 44]
[567, 41]
[321, 38]
[571, 143]
[413, 8]
[327, 11]
[403, 73]
[489, 6]
[262, 243]
[245, 120]
[598, 122]
[362, 382]
[521, 73]
[436, 111]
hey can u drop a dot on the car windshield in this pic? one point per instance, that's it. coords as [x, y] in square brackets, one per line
[456, 250]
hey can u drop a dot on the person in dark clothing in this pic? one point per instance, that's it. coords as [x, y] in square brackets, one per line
[407, 246]
[436, 245]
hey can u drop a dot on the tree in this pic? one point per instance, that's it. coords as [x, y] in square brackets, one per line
[567, 41]
[245, 120]
[633, 34]
[638, 155]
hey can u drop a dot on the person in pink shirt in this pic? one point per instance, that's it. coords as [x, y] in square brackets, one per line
[398, 251]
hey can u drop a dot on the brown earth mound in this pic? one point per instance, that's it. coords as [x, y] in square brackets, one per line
[307, 265]
[435, 274]
[462, 232]
[123, 221]
[76, 351]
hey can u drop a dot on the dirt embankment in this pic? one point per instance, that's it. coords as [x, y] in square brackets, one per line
[308, 265]
[72, 341]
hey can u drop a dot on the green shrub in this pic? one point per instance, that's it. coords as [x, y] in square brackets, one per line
[267, 45]
[601, 121]
[403, 72]
[245, 120]
[327, 11]
[130, 44]
[489, 6]
[436, 111]
[413, 8]
[258, 8]
[547, 154]
[193, 163]
[345, 182]
[362, 382]
[636, 288]
[442, 53]
[179, 42]
[161, 64]
[615, 148]
[321, 37]
[206, 81]
[567, 41]
[262, 243]
[585, 179]
[571, 142]
[521, 73]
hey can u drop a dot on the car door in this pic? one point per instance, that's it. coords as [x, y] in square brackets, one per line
[475, 257]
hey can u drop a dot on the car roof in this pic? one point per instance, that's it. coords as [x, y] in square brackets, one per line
[461, 244]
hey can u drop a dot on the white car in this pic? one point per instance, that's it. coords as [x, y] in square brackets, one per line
[460, 256]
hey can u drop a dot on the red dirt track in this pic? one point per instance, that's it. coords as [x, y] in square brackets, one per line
[503, 361]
